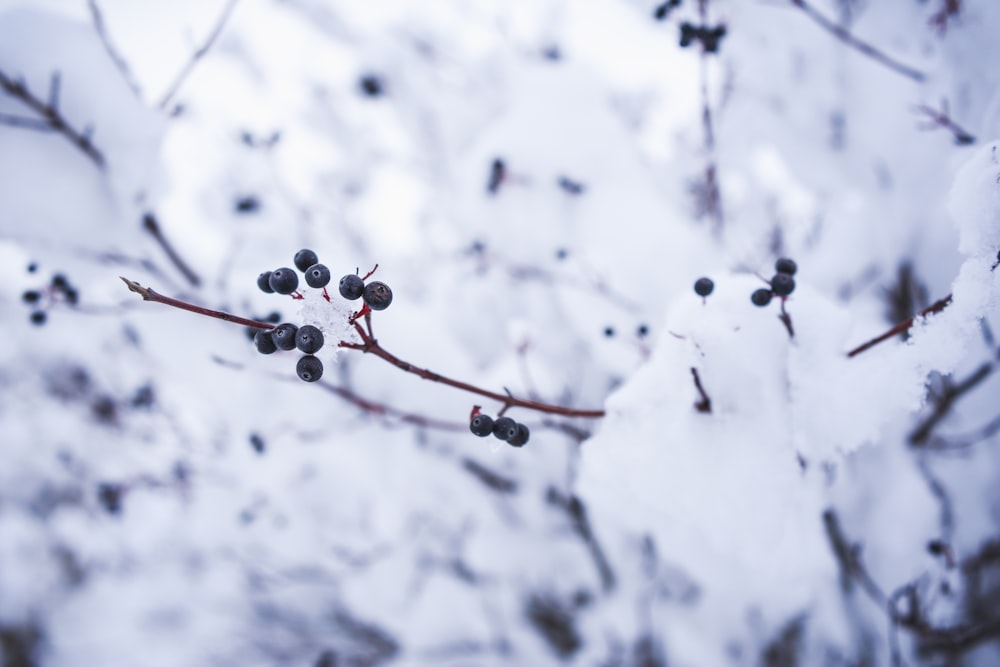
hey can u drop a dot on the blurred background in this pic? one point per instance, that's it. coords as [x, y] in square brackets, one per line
[540, 183]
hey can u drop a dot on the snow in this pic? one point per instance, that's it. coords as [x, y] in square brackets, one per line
[262, 520]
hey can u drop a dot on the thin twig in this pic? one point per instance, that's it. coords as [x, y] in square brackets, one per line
[50, 115]
[903, 326]
[152, 225]
[149, 294]
[26, 123]
[712, 194]
[198, 55]
[119, 61]
[704, 404]
[867, 49]
[370, 345]
[952, 443]
[941, 118]
[577, 512]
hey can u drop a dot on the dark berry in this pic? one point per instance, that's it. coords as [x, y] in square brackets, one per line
[283, 280]
[782, 284]
[481, 425]
[31, 296]
[304, 259]
[72, 295]
[785, 265]
[38, 317]
[351, 287]
[32, 267]
[110, 497]
[264, 282]
[761, 297]
[317, 276]
[59, 281]
[371, 85]
[264, 342]
[309, 368]
[703, 286]
[377, 295]
[521, 438]
[642, 331]
[283, 336]
[309, 339]
[505, 428]
[246, 204]
[609, 332]
[273, 317]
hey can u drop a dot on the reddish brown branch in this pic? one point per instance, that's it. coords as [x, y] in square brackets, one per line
[370, 345]
[867, 49]
[50, 116]
[148, 294]
[903, 326]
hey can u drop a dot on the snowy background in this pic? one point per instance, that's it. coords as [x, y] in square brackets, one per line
[168, 496]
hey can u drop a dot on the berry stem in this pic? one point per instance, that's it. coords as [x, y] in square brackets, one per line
[903, 326]
[705, 403]
[786, 319]
[371, 346]
[149, 294]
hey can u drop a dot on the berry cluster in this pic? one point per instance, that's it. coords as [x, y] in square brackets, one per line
[782, 284]
[709, 37]
[58, 290]
[286, 280]
[504, 428]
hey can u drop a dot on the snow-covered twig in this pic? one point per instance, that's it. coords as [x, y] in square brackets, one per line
[50, 116]
[944, 403]
[867, 49]
[905, 325]
[704, 403]
[198, 54]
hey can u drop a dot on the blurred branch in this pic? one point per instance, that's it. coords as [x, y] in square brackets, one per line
[119, 61]
[198, 54]
[944, 402]
[704, 404]
[867, 49]
[577, 513]
[941, 118]
[152, 225]
[50, 116]
[903, 607]
[149, 294]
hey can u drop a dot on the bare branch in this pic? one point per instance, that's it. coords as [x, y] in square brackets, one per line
[867, 49]
[198, 55]
[119, 61]
[905, 325]
[50, 115]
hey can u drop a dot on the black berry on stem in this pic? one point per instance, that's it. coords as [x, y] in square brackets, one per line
[283, 336]
[505, 429]
[304, 259]
[351, 287]
[377, 295]
[309, 368]
[521, 438]
[264, 282]
[309, 339]
[317, 276]
[782, 284]
[761, 297]
[786, 265]
[264, 343]
[481, 425]
[703, 286]
[283, 280]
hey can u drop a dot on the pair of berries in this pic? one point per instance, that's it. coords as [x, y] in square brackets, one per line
[377, 294]
[782, 284]
[709, 37]
[503, 428]
[286, 280]
[287, 336]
